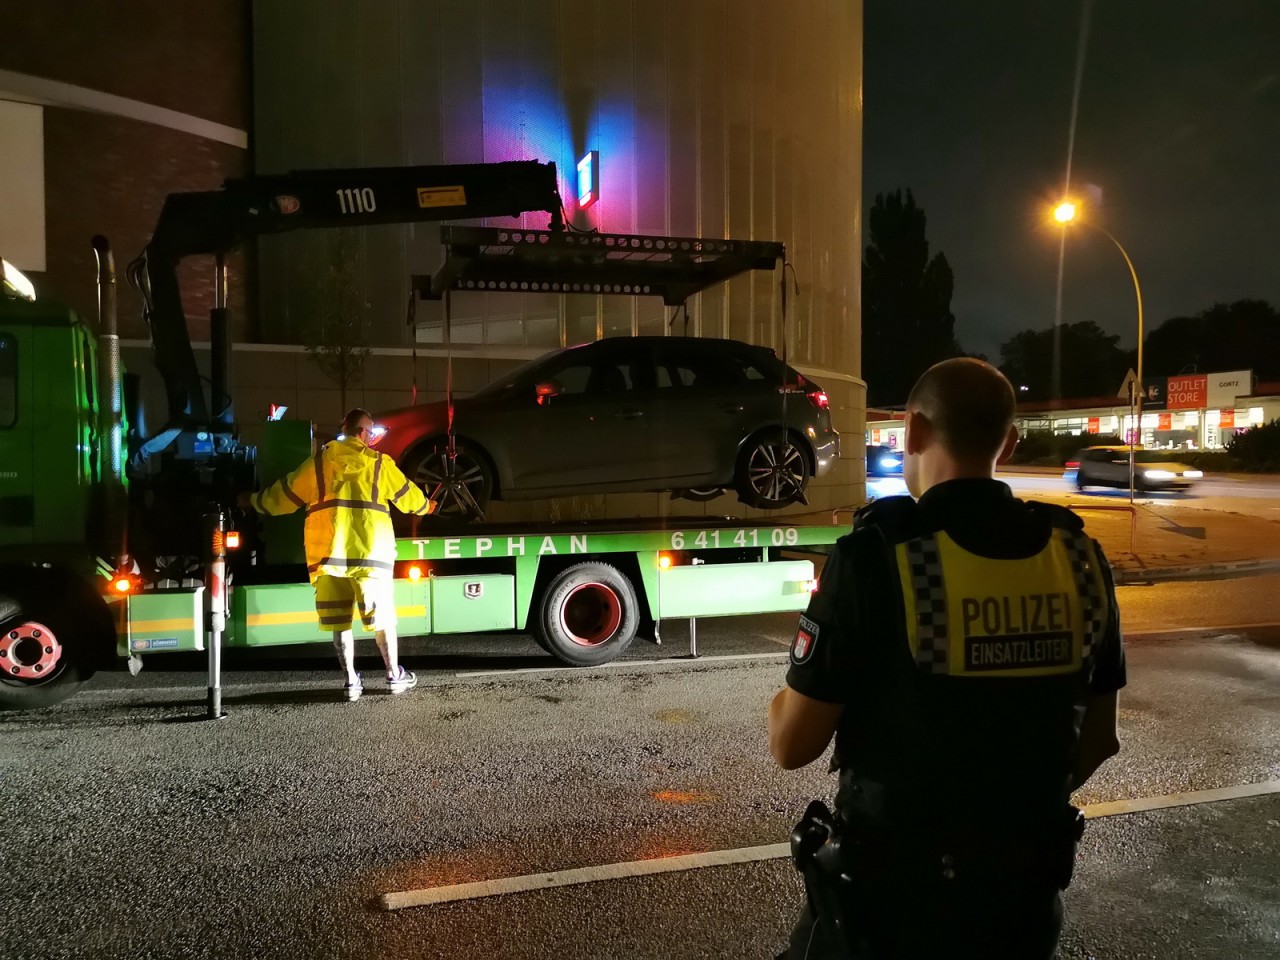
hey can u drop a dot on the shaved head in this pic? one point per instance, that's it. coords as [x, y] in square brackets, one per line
[970, 406]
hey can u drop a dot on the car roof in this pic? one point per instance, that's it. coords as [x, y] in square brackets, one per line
[680, 341]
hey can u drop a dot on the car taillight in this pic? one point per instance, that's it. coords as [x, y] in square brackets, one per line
[819, 399]
[1073, 464]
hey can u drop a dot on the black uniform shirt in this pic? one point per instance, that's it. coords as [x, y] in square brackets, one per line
[850, 647]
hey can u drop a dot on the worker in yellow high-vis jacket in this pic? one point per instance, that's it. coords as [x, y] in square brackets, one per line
[347, 490]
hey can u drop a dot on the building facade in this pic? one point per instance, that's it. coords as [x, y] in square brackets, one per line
[714, 119]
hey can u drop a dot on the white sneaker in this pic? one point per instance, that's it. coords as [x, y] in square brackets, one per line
[353, 690]
[404, 680]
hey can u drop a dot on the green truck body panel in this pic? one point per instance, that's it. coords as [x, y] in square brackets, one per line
[727, 589]
[160, 621]
[458, 602]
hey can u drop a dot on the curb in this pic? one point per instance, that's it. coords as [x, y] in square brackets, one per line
[1208, 571]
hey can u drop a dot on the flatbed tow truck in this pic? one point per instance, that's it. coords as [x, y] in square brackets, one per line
[116, 541]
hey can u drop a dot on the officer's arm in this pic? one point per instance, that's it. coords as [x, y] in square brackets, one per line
[1099, 740]
[295, 491]
[401, 492]
[800, 728]
[805, 713]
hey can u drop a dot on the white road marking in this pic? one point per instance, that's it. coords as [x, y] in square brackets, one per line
[1238, 792]
[479, 889]
[566, 878]
[1179, 631]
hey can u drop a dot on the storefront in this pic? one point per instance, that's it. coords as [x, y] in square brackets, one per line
[1187, 412]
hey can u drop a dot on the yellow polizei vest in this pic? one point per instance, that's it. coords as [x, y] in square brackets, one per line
[972, 616]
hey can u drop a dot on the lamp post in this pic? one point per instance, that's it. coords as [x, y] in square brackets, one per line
[1066, 213]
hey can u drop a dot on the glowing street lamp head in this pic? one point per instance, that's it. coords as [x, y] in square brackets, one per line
[1064, 212]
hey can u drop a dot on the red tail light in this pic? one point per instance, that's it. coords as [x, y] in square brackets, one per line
[819, 399]
[1073, 464]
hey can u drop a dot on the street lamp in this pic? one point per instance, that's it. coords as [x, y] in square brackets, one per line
[1068, 212]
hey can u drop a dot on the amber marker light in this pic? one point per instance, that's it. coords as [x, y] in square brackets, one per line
[415, 573]
[664, 562]
[233, 539]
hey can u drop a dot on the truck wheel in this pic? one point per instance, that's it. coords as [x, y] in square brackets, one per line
[47, 640]
[588, 615]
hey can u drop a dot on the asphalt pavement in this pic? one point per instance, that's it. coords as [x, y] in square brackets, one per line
[134, 831]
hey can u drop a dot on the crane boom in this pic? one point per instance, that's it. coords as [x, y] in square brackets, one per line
[215, 222]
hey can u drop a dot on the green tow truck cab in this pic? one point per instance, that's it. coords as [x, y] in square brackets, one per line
[54, 499]
[107, 529]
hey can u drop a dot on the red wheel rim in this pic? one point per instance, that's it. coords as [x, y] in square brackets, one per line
[591, 614]
[29, 652]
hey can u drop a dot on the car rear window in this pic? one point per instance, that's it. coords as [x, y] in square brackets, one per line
[718, 368]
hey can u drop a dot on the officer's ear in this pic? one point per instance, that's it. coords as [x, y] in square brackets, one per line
[1010, 444]
[918, 435]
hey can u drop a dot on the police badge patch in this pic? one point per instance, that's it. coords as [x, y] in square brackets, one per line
[806, 640]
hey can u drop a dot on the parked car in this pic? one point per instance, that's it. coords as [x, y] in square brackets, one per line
[883, 461]
[691, 415]
[1109, 467]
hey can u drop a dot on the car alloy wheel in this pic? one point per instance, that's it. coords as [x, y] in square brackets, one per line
[460, 485]
[776, 472]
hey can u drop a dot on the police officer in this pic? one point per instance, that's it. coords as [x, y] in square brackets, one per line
[347, 490]
[964, 649]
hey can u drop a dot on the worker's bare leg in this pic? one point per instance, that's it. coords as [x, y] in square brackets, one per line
[344, 641]
[389, 644]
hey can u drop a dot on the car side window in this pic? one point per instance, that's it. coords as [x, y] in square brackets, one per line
[596, 378]
[687, 368]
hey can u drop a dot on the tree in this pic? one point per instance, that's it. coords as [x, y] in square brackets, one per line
[1244, 335]
[907, 323]
[1091, 363]
[335, 330]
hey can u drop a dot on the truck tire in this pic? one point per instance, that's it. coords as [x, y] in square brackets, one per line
[51, 633]
[587, 615]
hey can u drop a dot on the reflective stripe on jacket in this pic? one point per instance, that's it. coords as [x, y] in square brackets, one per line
[347, 490]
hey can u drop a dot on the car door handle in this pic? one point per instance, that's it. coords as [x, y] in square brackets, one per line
[629, 414]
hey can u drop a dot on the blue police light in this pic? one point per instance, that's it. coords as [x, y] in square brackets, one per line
[888, 463]
[589, 179]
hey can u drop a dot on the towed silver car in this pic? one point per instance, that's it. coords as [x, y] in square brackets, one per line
[691, 415]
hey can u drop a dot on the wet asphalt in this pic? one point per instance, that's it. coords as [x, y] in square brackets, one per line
[131, 832]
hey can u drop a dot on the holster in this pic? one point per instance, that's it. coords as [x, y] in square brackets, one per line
[816, 851]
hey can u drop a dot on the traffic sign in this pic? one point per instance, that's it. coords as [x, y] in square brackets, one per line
[1130, 379]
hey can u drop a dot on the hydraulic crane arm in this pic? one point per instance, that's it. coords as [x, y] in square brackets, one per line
[215, 222]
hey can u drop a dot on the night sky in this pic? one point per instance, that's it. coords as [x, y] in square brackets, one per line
[969, 105]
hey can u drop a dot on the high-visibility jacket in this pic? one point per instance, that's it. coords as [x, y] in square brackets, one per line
[347, 490]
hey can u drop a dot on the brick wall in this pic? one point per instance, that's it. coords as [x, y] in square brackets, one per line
[192, 57]
[110, 175]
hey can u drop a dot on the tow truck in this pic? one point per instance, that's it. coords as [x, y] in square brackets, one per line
[121, 541]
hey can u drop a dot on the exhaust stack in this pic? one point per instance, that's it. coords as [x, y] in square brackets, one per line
[110, 400]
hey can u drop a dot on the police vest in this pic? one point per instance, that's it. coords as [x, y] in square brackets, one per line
[966, 715]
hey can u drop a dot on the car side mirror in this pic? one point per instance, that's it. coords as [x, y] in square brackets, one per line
[546, 390]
